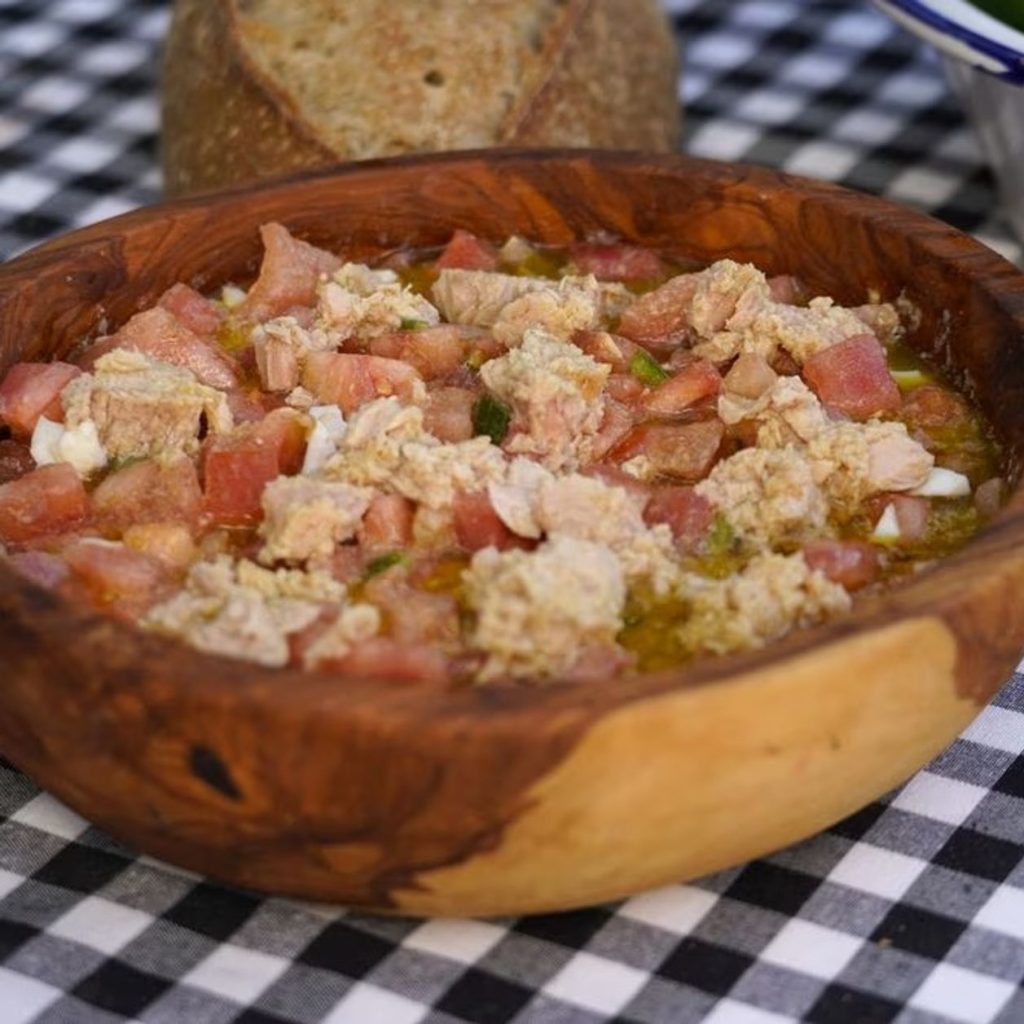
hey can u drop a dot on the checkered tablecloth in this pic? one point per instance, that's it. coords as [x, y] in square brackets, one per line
[910, 911]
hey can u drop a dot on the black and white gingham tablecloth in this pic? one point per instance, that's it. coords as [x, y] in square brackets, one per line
[911, 911]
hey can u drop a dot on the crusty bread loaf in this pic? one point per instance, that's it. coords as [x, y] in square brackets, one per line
[254, 88]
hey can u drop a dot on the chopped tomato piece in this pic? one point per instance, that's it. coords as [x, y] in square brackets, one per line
[433, 351]
[852, 376]
[31, 390]
[390, 660]
[288, 274]
[467, 252]
[350, 381]
[686, 451]
[15, 460]
[195, 311]
[414, 616]
[932, 406]
[624, 388]
[387, 524]
[149, 491]
[170, 544]
[246, 406]
[237, 467]
[616, 261]
[698, 380]
[112, 573]
[616, 423]
[850, 563]
[449, 414]
[160, 335]
[661, 319]
[41, 567]
[615, 477]
[478, 526]
[284, 431]
[684, 511]
[50, 500]
[617, 351]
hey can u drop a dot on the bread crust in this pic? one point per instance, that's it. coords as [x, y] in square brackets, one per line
[606, 76]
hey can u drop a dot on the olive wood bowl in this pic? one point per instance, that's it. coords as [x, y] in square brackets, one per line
[414, 799]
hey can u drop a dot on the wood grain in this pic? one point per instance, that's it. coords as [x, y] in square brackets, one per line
[400, 798]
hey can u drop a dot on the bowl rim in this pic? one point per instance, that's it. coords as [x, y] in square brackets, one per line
[1004, 283]
[964, 32]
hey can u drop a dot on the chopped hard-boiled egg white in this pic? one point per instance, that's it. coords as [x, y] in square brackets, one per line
[944, 483]
[80, 447]
[887, 529]
[328, 429]
[231, 296]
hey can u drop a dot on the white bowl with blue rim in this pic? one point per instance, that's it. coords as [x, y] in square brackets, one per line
[982, 45]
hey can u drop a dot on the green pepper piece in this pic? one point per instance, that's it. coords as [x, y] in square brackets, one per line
[647, 369]
[383, 563]
[412, 324]
[492, 418]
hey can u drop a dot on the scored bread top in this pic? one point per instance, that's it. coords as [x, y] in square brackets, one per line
[375, 77]
[257, 88]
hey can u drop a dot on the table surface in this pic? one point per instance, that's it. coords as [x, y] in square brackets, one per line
[911, 911]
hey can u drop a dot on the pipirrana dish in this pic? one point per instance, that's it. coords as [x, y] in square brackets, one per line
[493, 465]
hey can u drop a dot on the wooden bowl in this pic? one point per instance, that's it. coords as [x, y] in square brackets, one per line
[494, 801]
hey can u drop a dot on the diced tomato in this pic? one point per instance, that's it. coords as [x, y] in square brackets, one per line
[695, 381]
[616, 423]
[449, 414]
[387, 524]
[750, 376]
[160, 335]
[933, 406]
[15, 460]
[48, 501]
[195, 311]
[617, 351]
[616, 261]
[148, 492]
[284, 431]
[389, 660]
[170, 544]
[660, 319]
[685, 512]
[237, 467]
[686, 451]
[245, 406]
[42, 568]
[31, 390]
[288, 274]
[467, 252]
[850, 563]
[235, 472]
[433, 351]
[624, 388]
[414, 616]
[114, 574]
[852, 376]
[350, 381]
[478, 526]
